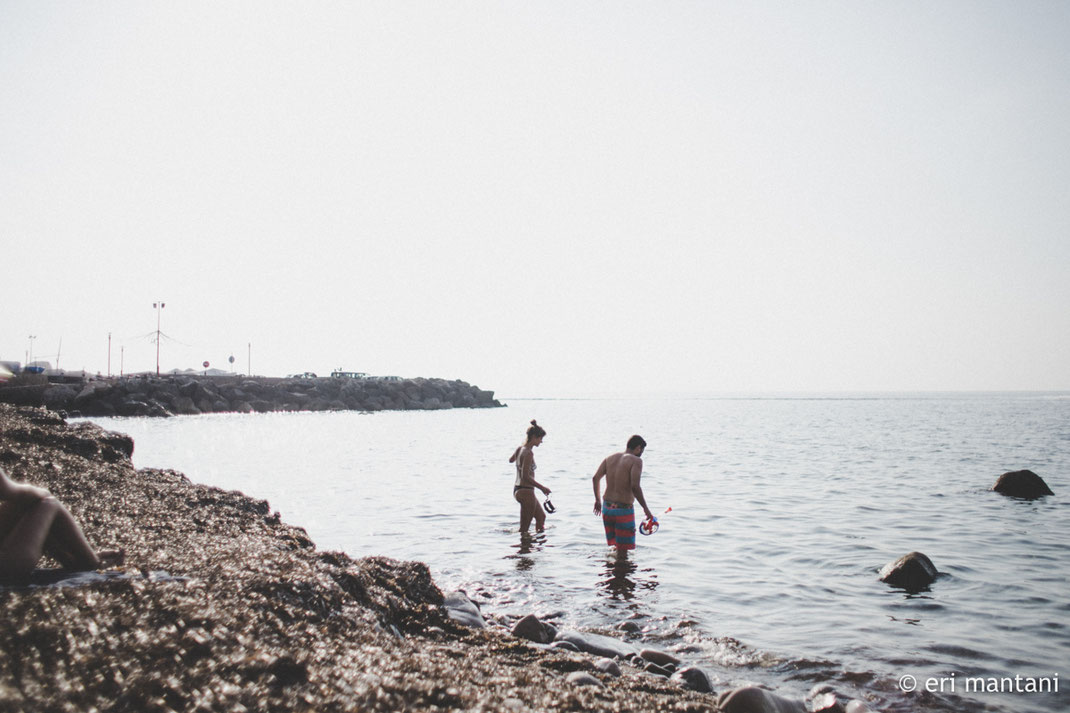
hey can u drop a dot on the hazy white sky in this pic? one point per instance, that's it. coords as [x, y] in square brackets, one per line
[543, 198]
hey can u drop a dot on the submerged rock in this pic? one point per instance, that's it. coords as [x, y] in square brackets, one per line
[1022, 484]
[913, 572]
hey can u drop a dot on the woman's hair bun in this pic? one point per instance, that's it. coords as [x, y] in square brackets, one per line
[533, 422]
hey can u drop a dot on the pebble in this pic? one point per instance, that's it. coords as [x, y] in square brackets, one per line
[659, 657]
[532, 629]
[608, 666]
[597, 644]
[566, 645]
[582, 678]
[658, 670]
[693, 679]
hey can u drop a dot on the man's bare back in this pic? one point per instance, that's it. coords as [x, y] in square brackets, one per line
[623, 470]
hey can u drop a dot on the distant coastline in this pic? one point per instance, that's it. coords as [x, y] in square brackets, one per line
[161, 396]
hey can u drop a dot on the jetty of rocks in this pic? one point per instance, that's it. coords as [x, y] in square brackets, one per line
[188, 395]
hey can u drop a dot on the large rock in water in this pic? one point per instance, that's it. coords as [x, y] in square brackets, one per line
[1022, 484]
[913, 572]
[754, 700]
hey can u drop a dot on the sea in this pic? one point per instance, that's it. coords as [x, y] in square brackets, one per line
[776, 513]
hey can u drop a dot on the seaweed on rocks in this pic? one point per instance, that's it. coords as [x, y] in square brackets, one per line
[222, 606]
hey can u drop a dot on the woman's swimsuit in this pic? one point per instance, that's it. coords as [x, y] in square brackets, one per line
[520, 475]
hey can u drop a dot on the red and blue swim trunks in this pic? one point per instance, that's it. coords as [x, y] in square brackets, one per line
[619, 520]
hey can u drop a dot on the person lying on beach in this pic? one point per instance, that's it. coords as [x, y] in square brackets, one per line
[33, 523]
[622, 472]
[525, 483]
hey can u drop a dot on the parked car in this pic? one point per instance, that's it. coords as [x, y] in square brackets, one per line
[338, 374]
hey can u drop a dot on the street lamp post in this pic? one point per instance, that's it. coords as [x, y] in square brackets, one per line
[158, 306]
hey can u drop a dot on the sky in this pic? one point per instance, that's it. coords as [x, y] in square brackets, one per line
[543, 198]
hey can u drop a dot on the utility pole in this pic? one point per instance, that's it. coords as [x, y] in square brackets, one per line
[29, 354]
[158, 306]
[109, 355]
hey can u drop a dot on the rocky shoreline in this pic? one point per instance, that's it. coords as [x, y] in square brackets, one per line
[221, 606]
[190, 395]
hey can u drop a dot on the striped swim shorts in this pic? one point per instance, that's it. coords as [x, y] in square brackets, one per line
[619, 520]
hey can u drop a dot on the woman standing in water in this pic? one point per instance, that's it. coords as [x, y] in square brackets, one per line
[33, 522]
[525, 484]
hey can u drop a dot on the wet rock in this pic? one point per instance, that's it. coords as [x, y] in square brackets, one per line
[582, 678]
[655, 669]
[565, 646]
[913, 572]
[694, 679]
[755, 700]
[659, 657]
[629, 627]
[596, 644]
[608, 666]
[532, 629]
[463, 610]
[1022, 484]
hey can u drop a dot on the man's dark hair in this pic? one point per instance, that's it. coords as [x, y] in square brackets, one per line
[636, 441]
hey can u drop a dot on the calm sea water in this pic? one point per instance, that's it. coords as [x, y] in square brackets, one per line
[765, 570]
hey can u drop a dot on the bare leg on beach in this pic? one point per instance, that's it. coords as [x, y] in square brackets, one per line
[46, 525]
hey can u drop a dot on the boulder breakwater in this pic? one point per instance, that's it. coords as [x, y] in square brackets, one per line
[190, 395]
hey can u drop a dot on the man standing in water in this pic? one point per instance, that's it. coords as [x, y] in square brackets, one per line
[622, 472]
